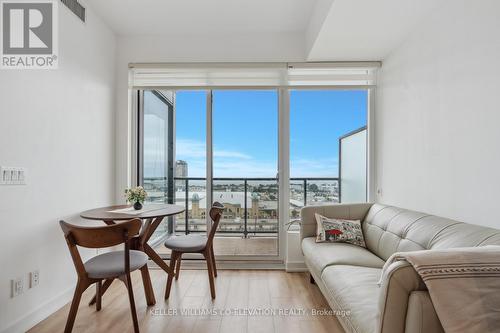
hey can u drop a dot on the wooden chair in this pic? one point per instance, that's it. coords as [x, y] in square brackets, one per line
[115, 264]
[195, 244]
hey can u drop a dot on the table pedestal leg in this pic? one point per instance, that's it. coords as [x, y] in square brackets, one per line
[157, 259]
[148, 288]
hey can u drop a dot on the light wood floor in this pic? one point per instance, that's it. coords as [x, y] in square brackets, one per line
[259, 246]
[241, 289]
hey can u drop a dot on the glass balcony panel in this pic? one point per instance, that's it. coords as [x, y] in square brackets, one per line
[322, 192]
[197, 206]
[231, 193]
[297, 196]
[262, 212]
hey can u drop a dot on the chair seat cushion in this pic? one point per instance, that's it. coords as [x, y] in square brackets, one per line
[112, 264]
[322, 255]
[186, 243]
[354, 289]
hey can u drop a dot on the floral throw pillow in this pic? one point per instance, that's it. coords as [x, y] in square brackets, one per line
[338, 230]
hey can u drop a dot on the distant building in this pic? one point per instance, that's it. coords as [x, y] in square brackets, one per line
[234, 203]
[181, 168]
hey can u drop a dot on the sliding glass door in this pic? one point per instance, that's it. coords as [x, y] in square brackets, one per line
[155, 150]
[196, 147]
[190, 171]
[245, 160]
[172, 157]
[240, 172]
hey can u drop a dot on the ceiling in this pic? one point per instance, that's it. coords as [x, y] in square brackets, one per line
[367, 29]
[343, 30]
[202, 17]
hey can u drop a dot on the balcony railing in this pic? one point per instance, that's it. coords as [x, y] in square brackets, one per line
[251, 203]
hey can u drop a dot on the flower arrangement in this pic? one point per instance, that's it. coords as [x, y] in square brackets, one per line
[136, 196]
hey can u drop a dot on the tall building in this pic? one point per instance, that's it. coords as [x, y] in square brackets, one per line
[181, 168]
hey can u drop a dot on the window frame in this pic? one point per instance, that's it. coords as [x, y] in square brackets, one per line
[283, 174]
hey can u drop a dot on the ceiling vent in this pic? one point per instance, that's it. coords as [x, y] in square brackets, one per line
[76, 8]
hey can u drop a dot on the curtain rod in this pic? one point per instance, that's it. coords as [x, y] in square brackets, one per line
[311, 64]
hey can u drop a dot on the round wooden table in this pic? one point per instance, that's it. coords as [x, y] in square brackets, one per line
[152, 215]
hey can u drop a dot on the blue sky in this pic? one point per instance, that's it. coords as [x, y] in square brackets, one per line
[245, 131]
[317, 120]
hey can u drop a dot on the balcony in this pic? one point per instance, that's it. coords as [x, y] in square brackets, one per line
[249, 224]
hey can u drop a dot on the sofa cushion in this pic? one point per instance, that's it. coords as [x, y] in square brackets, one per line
[354, 289]
[388, 229]
[338, 211]
[321, 255]
[339, 231]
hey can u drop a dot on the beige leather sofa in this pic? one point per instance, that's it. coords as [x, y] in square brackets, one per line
[348, 275]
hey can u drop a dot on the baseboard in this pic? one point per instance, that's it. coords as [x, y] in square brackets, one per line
[296, 266]
[40, 313]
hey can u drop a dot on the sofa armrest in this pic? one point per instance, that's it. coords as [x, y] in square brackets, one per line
[400, 303]
[338, 211]
[421, 316]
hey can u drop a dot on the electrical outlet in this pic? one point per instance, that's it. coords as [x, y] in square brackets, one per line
[34, 278]
[17, 287]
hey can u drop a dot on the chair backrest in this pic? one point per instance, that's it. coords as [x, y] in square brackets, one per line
[101, 236]
[98, 237]
[215, 214]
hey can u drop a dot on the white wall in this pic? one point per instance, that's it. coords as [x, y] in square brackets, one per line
[438, 113]
[253, 47]
[59, 125]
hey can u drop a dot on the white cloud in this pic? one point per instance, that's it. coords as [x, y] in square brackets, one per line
[231, 154]
[244, 168]
[186, 148]
[228, 163]
[321, 167]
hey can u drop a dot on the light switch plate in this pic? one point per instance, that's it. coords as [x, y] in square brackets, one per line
[12, 176]
[17, 287]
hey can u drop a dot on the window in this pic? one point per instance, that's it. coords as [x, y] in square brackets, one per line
[218, 141]
[318, 121]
